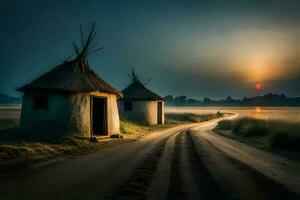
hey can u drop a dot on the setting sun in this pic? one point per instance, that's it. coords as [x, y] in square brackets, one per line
[258, 87]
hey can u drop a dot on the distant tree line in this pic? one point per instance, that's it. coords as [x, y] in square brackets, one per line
[184, 101]
[5, 99]
[265, 100]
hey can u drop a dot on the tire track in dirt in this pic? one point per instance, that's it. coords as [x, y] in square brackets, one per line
[208, 187]
[137, 185]
[189, 176]
[244, 181]
[160, 184]
[176, 190]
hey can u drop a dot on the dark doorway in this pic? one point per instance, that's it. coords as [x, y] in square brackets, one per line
[159, 113]
[99, 118]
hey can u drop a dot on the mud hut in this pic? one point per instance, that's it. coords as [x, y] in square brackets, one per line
[139, 104]
[71, 98]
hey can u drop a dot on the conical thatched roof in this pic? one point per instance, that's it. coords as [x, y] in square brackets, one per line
[68, 77]
[137, 91]
[73, 76]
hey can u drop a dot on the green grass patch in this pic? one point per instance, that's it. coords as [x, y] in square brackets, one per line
[129, 127]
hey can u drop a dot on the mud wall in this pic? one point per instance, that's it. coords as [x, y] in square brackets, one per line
[66, 113]
[144, 112]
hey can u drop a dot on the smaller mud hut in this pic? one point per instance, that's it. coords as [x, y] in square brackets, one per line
[71, 98]
[139, 104]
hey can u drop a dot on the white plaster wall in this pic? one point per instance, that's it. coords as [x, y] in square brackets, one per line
[144, 112]
[67, 114]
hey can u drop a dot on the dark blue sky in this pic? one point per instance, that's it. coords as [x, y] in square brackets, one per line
[195, 48]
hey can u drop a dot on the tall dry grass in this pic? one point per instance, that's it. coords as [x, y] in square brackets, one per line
[177, 118]
[280, 134]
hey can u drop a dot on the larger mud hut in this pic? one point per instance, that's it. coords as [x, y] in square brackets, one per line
[139, 104]
[71, 98]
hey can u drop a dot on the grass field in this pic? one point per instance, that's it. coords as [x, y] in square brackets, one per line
[185, 117]
[272, 135]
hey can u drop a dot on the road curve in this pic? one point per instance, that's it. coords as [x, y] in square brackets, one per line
[184, 162]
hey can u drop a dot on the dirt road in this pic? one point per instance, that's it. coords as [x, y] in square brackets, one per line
[185, 162]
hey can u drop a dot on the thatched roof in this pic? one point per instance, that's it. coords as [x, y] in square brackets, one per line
[75, 75]
[137, 91]
[69, 77]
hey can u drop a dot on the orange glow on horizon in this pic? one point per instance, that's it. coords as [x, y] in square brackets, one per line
[258, 110]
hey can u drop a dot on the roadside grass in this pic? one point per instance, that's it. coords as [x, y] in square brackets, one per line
[267, 134]
[135, 130]
[15, 143]
[19, 150]
[132, 129]
[179, 118]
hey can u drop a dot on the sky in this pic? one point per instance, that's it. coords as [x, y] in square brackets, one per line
[204, 48]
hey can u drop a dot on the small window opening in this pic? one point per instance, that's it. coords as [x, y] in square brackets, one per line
[128, 106]
[40, 101]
